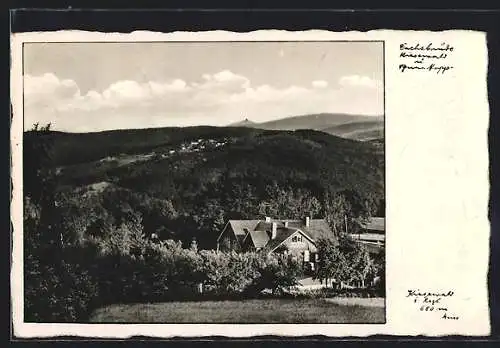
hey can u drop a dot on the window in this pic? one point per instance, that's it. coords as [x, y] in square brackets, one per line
[297, 238]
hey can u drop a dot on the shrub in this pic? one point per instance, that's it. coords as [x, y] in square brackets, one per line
[278, 274]
[60, 293]
[231, 273]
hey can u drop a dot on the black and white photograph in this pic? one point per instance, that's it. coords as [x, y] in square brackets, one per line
[204, 182]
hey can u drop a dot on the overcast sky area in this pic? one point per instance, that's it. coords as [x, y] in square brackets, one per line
[84, 87]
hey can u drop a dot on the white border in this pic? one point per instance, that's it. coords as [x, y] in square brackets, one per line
[398, 321]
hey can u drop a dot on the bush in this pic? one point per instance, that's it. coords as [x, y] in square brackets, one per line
[128, 269]
[230, 273]
[279, 273]
[62, 293]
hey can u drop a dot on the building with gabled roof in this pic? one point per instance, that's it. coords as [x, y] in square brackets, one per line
[288, 237]
[273, 235]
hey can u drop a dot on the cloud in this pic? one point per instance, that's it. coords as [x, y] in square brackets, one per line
[358, 80]
[215, 98]
[320, 84]
[224, 81]
[48, 87]
[44, 95]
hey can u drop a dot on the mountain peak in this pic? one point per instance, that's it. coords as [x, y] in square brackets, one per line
[245, 123]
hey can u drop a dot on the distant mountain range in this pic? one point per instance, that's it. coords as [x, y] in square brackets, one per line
[356, 127]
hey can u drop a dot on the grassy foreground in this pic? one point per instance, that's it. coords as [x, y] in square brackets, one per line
[245, 311]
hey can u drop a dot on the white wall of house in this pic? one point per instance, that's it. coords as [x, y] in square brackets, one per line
[297, 244]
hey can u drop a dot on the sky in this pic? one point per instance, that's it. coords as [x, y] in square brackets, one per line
[84, 87]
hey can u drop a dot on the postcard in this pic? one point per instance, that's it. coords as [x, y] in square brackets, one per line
[196, 184]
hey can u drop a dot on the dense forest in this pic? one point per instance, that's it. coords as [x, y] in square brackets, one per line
[185, 182]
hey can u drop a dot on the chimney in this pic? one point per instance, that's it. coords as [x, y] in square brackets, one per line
[274, 230]
[286, 223]
[268, 219]
[308, 221]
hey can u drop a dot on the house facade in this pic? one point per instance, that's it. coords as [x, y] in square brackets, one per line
[295, 238]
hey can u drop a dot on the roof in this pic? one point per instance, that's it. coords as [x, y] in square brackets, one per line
[258, 230]
[282, 234]
[318, 228]
[239, 226]
[259, 238]
[267, 226]
[375, 224]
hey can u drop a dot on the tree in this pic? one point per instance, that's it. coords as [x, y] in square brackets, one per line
[379, 270]
[311, 206]
[360, 202]
[362, 264]
[287, 202]
[56, 288]
[39, 183]
[332, 264]
[37, 171]
[346, 261]
[128, 239]
[337, 209]
[280, 273]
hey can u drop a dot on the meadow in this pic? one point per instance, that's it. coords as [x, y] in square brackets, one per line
[255, 311]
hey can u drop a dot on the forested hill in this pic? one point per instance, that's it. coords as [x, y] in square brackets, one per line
[185, 182]
[70, 148]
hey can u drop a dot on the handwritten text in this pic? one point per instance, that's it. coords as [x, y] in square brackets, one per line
[433, 302]
[427, 57]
